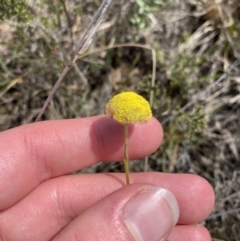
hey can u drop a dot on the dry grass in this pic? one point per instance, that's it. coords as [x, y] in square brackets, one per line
[196, 42]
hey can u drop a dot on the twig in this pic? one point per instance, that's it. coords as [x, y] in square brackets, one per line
[82, 45]
[213, 216]
[154, 66]
[68, 19]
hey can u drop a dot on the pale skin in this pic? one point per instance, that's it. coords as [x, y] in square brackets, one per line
[40, 201]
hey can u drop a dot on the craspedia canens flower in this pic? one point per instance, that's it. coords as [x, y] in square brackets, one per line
[129, 107]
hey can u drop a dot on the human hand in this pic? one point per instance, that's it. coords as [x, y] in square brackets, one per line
[40, 201]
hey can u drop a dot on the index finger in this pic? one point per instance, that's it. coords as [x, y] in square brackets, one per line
[33, 153]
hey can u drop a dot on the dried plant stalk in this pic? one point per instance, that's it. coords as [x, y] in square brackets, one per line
[82, 45]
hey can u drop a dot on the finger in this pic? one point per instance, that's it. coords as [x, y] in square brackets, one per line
[33, 153]
[61, 199]
[189, 232]
[136, 212]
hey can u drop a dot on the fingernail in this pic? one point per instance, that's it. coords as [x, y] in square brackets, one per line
[151, 214]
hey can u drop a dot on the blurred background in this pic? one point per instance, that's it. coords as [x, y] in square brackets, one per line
[188, 48]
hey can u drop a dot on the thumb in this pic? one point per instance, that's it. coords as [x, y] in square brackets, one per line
[137, 212]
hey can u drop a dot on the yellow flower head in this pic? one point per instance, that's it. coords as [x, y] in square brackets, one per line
[129, 107]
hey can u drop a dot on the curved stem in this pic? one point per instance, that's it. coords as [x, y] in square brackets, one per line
[126, 157]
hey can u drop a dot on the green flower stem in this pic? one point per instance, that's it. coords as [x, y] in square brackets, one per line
[126, 157]
[128, 108]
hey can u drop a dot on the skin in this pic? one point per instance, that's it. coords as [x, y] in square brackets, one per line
[40, 201]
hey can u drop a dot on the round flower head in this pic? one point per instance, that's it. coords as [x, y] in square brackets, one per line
[129, 107]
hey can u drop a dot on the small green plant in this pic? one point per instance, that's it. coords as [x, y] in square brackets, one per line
[128, 108]
[185, 129]
[11, 8]
[139, 18]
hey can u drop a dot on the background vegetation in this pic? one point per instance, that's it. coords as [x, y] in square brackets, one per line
[194, 44]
